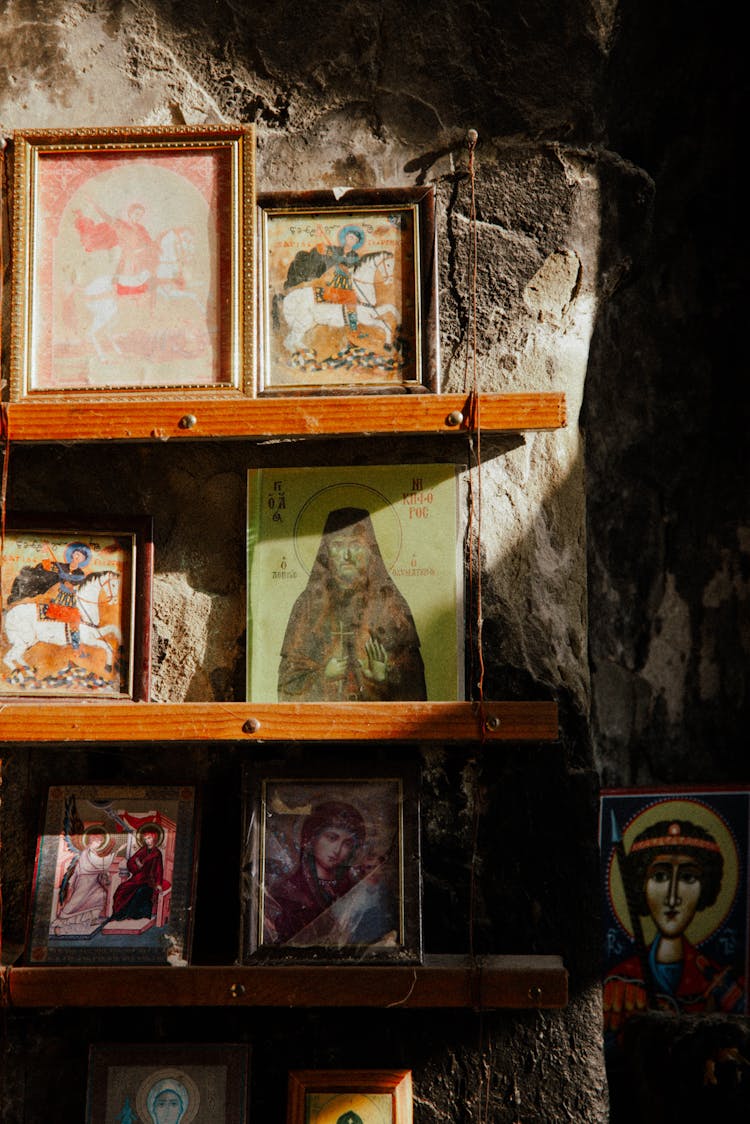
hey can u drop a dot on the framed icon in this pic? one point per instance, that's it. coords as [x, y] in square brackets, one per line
[114, 876]
[675, 901]
[355, 584]
[133, 259]
[180, 1083]
[332, 868]
[77, 608]
[348, 292]
[357, 1096]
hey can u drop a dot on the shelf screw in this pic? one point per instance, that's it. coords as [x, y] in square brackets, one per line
[535, 993]
[188, 421]
[493, 722]
[455, 417]
[236, 990]
[251, 726]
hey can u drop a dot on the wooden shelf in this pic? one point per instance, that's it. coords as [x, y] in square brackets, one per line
[448, 981]
[230, 415]
[95, 721]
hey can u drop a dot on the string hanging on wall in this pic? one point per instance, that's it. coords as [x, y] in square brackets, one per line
[471, 387]
[474, 531]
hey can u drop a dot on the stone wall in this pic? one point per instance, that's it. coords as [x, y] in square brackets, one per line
[585, 285]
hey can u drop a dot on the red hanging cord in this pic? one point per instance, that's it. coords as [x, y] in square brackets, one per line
[4, 419]
[4, 442]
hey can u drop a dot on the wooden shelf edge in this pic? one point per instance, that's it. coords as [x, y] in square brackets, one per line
[497, 982]
[95, 721]
[218, 415]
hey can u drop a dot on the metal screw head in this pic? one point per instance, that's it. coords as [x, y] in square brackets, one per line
[535, 993]
[236, 990]
[251, 726]
[455, 417]
[188, 421]
[492, 722]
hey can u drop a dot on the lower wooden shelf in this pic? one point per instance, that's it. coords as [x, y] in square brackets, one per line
[485, 983]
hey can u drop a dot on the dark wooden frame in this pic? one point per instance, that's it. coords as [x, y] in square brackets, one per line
[405, 944]
[178, 1057]
[141, 528]
[420, 201]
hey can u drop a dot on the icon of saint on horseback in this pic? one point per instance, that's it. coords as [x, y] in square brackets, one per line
[145, 301]
[336, 285]
[34, 581]
[331, 266]
[62, 605]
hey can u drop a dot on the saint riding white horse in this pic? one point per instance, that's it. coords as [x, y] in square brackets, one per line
[101, 296]
[302, 311]
[24, 628]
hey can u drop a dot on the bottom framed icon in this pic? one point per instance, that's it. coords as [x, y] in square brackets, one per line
[168, 1084]
[349, 1096]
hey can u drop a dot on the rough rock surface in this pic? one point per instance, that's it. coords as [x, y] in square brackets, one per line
[600, 272]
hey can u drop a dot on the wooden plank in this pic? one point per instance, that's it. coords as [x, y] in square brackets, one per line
[231, 415]
[53, 721]
[523, 981]
[450, 982]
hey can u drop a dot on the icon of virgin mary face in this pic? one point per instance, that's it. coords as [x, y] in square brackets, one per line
[167, 1102]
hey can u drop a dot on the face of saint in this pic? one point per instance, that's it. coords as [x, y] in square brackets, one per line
[349, 555]
[76, 560]
[95, 841]
[673, 887]
[149, 838]
[167, 1108]
[349, 239]
[332, 848]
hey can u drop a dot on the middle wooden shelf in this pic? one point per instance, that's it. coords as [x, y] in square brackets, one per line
[490, 721]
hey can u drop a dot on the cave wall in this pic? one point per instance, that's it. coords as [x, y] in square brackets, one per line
[602, 585]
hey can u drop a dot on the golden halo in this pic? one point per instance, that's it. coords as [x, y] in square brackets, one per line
[370, 1111]
[706, 921]
[168, 1075]
[108, 844]
[156, 828]
[308, 526]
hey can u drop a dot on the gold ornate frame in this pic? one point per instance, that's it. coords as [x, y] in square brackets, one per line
[132, 262]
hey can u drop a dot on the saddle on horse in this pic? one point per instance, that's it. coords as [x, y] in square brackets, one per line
[54, 611]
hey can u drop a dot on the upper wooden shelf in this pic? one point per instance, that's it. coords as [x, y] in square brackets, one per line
[487, 983]
[95, 721]
[215, 416]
